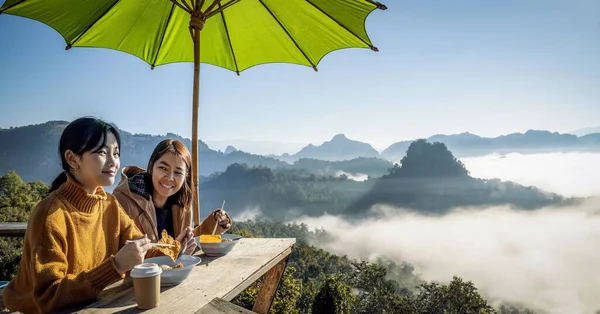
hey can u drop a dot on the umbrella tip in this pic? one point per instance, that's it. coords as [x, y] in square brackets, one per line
[381, 6]
[374, 48]
[315, 68]
[237, 72]
[68, 47]
[152, 67]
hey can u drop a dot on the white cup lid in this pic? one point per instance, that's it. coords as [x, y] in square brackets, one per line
[145, 270]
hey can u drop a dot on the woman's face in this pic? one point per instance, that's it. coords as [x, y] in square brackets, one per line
[94, 169]
[168, 175]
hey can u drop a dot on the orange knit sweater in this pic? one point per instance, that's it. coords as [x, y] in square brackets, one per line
[68, 254]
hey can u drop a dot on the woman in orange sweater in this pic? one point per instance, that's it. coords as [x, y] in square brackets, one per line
[75, 240]
[160, 198]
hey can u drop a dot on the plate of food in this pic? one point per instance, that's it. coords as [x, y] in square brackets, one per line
[175, 268]
[174, 273]
[217, 245]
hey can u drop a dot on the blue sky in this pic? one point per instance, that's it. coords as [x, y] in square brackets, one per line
[487, 67]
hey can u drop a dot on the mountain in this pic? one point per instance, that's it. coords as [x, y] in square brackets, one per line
[256, 146]
[430, 180]
[230, 149]
[532, 141]
[586, 131]
[338, 148]
[32, 151]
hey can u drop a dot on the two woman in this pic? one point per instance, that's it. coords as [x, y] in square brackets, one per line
[75, 243]
[160, 198]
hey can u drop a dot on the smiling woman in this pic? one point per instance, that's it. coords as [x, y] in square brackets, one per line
[70, 252]
[161, 197]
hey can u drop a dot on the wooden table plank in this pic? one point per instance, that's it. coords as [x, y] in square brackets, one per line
[220, 306]
[214, 277]
[12, 229]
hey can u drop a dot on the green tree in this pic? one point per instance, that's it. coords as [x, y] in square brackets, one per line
[334, 297]
[456, 297]
[17, 200]
[288, 294]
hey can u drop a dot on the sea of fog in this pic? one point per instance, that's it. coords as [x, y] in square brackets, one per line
[569, 174]
[546, 259]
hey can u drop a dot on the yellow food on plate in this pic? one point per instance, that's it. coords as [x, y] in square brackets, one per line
[207, 238]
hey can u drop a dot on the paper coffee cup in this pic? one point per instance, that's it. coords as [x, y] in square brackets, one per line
[146, 285]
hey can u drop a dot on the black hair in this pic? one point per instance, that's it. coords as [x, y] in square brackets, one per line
[82, 135]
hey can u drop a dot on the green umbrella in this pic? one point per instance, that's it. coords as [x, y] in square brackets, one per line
[235, 34]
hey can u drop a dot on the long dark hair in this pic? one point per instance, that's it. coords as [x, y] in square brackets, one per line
[82, 135]
[183, 198]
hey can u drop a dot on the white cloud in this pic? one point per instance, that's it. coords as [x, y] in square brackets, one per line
[546, 259]
[569, 174]
[250, 213]
[353, 176]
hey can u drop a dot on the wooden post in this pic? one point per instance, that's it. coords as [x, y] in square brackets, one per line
[195, 107]
[268, 288]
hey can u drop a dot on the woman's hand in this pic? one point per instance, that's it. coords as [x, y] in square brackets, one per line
[132, 254]
[186, 237]
[222, 219]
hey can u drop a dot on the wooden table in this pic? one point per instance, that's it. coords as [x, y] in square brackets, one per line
[215, 277]
[12, 229]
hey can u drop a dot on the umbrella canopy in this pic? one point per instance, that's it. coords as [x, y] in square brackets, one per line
[233, 34]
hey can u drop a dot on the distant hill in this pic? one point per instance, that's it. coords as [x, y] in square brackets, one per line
[462, 145]
[586, 131]
[338, 148]
[532, 141]
[32, 151]
[430, 181]
[230, 149]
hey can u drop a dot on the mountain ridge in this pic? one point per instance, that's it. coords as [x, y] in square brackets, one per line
[32, 151]
[339, 149]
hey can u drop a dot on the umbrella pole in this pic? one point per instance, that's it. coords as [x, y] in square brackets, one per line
[195, 107]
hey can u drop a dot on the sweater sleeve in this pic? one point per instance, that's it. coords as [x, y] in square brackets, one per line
[54, 289]
[207, 226]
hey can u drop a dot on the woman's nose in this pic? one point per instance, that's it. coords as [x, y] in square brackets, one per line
[112, 160]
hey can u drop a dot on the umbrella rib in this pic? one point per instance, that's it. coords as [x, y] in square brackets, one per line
[69, 45]
[162, 38]
[182, 6]
[380, 6]
[10, 6]
[237, 70]
[289, 35]
[343, 26]
[221, 8]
